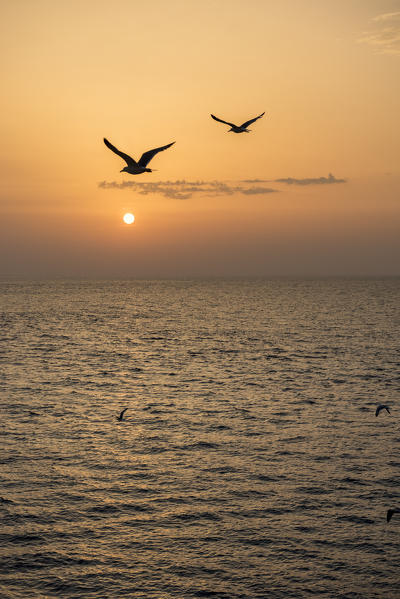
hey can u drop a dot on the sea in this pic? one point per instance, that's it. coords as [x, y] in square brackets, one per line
[249, 463]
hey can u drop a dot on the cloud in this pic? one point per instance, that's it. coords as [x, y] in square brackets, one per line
[256, 190]
[385, 33]
[184, 190]
[255, 181]
[319, 181]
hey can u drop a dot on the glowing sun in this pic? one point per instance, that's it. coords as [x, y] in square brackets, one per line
[128, 218]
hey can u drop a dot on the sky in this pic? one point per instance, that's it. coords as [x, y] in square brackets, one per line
[312, 190]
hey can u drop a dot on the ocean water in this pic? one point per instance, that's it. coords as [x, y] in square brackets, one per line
[250, 463]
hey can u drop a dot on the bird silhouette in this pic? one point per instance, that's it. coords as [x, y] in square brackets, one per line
[136, 168]
[382, 407]
[121, 416]
[391, 512]
[238, 128]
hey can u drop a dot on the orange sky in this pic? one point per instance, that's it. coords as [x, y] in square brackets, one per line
[327, 73]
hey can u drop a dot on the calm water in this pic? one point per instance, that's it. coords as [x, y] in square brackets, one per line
[250, 464]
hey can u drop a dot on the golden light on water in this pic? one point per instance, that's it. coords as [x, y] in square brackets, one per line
[128, 218]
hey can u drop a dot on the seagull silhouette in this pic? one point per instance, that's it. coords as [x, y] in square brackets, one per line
[238, 128]
[136, 168]
[382, 407]
[121, 416]
[391, 512]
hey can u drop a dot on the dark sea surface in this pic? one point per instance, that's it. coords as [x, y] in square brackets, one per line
[250, 464]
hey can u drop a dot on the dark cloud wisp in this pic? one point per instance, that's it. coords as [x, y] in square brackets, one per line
[184, 190]
[311, 181]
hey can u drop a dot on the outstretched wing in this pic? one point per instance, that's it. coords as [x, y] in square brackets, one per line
[147, 156]
[389, 515]
[247, 123]
[387, 409]
[128, 159]
[221, 121]
[378, 409]
[122, 413]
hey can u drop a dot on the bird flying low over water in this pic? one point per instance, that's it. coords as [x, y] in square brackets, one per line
[391, 512]
[136, 168]
[121, 416]
[238, 128]
[382, 407]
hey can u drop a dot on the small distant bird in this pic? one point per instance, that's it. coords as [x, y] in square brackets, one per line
[121, 416]
[382, 407]
[4, 500]
[238, 128]
[391, 512]
[136, 168]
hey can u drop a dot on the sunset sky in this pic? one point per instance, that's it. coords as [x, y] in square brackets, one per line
[313, 190]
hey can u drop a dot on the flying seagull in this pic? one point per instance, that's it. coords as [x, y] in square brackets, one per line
[382, 407]
[136, 168]
[238, 128]
[121, 416]
[391, 512]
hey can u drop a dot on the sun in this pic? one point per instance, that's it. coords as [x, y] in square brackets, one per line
[128, 218]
